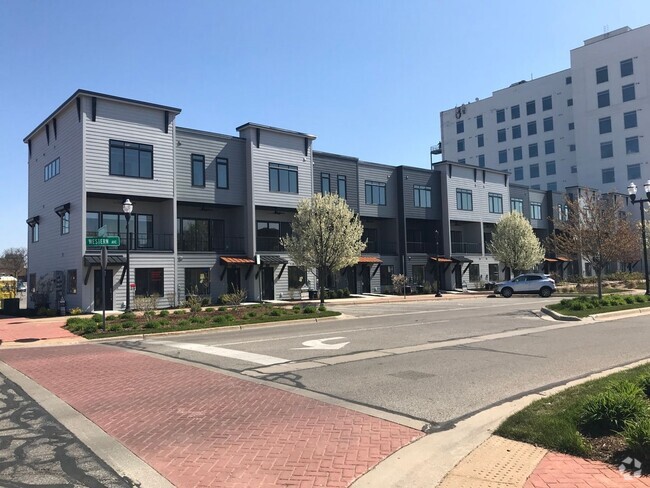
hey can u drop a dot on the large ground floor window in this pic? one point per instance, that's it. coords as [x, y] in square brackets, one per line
[297, 277]
[197, 281]
[149, 282]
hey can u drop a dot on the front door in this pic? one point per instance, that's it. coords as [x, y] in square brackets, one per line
[365, 279]
[233, 275]
[268, 290]
[459, 276]
[352, 279]
[98, 289]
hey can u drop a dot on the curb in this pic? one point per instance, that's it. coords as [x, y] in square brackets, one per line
[619, 314]
[559, 316]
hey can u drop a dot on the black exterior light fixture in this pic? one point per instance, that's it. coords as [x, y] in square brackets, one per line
[631, 190]
[127, 208]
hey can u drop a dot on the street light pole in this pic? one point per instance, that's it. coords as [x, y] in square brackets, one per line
[127, 208]
[438, 294]
[631, 190]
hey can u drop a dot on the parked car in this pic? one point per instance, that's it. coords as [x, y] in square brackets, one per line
[527, 283]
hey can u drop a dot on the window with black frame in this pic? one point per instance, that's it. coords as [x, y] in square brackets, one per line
[149, 282]
[131, 159]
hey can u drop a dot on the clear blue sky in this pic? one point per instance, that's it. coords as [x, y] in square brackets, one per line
[368, 77]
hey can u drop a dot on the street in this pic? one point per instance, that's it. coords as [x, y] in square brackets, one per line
[435, 361]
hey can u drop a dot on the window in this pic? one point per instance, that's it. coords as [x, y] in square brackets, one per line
[65, 222]
[572, 125]
[534, 187]
[608, 175]
[503, 156]
[516, 131]
[460, 145]
[460, 127]
[283, 178]
[568, 80]
[194, 235]
[563, 212]
[550, 168]
[548, 124]
[417, 272]
[35, 232]
[631, 145]
[481, 160]
[479, 121]
[297, 277]
[547, 103]
[341, 186]
[375, 193]
[197, 281]
[131, 159]
[605, 125]
[532, 150]
[324, 183]
[629, 119]
[633, 171]
[530, 107]
[606, 150]
[572, 147]
[532, 128]
[603, 99]
[144, 231]
[461, 160]
[517, 153]
[628, 92]
[602, 75]
[627, 68]
[480, 140]
[519, 173]
[495, 203]
[549, 146]
[71, 282]
[198, 170]
[149, 282]
[501, 135]
[501, 116]
[222, 173]
[386, 272]
[474, 273]
[51, 169]
[569, 102]
[536, 211]
[514, 112]
[551, 186]
[517, 205]
[269, 233]
[464, 199]
[534, 170]
[422, 196]
[574, 169]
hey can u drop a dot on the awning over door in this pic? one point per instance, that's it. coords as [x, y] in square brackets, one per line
[271, 260]
[369, 260]
[235, 260]
[96, 260]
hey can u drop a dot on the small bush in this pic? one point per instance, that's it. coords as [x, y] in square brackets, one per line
[179, 312]
[637, 436]
[209, 310]
[164, 322]
[229, 317]
[149, 314]
[222, 309]
[75, 311]
[346, 293]
[639, 298]
[164, 313]
[309, 309]
[74, 321]
[644, 384]
[235, 298]
[90, 327]
[577, 306]
[183, 323]
[129, 324]
[128, 315]
[296, 308]
[205, 301]
[322, 308]
[115, 327]
[152, 324]
[629, 300]
[219, 319]
[251, 314]
[97, 317]
[111, 318]
[198, 320]
[276, 312]
[608, 412]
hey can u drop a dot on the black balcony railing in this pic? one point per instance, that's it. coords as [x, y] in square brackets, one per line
[421, 247]
[466, 248]
[380, 247]
[271, 244]
[205, 244]
[143, 241]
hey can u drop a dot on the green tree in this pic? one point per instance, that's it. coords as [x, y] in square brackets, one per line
[515, 244]
[326, 236]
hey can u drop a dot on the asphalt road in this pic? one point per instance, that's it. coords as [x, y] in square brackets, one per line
[437, 361]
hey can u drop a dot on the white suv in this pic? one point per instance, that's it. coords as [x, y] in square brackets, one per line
[527, 283]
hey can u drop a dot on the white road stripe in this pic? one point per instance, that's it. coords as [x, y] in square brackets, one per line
[250, 357]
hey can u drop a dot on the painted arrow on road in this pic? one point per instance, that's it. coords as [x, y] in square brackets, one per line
[320, 344]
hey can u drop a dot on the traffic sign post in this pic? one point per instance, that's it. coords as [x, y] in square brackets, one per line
[110, 241]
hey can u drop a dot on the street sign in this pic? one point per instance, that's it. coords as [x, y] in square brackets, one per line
[112, 241]
[102, 231]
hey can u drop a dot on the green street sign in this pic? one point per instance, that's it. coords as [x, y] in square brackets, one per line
[112, 241]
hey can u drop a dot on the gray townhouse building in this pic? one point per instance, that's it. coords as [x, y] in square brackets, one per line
[209, 209]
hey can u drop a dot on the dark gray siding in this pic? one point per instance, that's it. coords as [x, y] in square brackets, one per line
[335, 166]
[382, 174]
[413, 177]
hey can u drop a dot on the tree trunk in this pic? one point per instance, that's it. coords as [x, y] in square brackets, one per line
[599, 278]
[321, 284]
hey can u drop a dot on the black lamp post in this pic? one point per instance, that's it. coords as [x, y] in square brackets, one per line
[127, 208]
[631, 190]
[438, 294]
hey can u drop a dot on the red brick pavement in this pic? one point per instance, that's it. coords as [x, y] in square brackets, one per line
[15, 328]
[563, 471]
[202, 428]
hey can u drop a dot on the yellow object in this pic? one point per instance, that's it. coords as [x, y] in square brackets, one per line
[7, 287]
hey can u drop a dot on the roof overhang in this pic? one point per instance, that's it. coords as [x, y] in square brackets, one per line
[272, 259]
[236, 260]
[369, 260]
[96, 260]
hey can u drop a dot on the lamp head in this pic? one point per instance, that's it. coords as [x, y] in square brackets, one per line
[127, 206]
[646, 187]
[631, 190]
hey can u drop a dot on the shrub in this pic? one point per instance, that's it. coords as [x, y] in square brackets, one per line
[229, 317]
[644, 384]
[111, 318]
[205, 301]
[164, 313]
[346, 293]
[164, 322]
[637, 436]
[152, 324]
[222, 309]
[97, 317]
[235, 298]
[198, 320]
[251, 314]
[75, 311]
[309, 309]
[74, 321]
[322, 308]
[115, 327]
[629, 300]
[639, 298]
[90, 327]
[129, 324]
[149, 314]
[183, 323]
[276, 312]
[179, 312]
[219, 319]
[608, 412]
[128, 315]
[296, 307]
[193, 302]
[576, 306]
[209, 310]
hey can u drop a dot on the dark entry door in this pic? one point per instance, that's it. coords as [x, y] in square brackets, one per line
[459, 276]
[98, 289]
[234, 279]
[352, 279]
[365, 279]
[268, 290]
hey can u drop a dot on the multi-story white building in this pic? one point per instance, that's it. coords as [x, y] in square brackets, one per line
[583, 126]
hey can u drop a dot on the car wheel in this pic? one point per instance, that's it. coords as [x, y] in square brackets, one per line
[506, 292]
[545, 292]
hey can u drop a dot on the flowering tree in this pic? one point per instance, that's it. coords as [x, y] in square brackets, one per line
[326, 236]
[515, 244]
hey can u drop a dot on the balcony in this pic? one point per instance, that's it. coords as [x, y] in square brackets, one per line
[232, 245]
[143, 242]
[466, 248]
[271, 244]
[421, 247]
[381, 247]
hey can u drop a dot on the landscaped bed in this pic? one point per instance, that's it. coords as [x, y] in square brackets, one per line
[583, 306]
[153, 321]
[606, 419]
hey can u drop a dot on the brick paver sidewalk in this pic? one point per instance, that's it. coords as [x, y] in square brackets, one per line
[563, 471]
[21, 328]
[201, 428]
